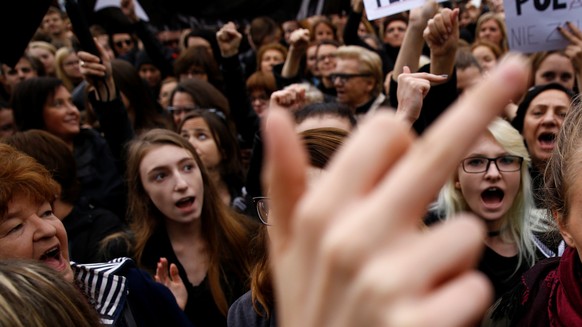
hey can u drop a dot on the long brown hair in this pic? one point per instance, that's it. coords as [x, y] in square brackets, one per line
[226, 233]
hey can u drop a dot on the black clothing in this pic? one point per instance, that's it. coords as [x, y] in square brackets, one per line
[86, 226]
[200, 308]
[501, 271]
[243, 314]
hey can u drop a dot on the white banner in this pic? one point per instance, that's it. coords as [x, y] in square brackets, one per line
[381, 8]
[532, 24]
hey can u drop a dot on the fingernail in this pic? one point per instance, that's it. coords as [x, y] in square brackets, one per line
[444, 75]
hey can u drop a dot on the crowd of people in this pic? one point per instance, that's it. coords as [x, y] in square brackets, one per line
[325, 171]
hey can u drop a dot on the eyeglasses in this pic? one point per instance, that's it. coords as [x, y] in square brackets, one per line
[475, 165]
[262, 206]
[120, 43]
[346, 77]
[262, 97]
[177, 111]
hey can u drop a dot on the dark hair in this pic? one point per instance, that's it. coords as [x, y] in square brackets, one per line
[204, 95]
[143, 108]
[28, 101]
[325, 109]
[261, 28]
[226, 233]
[208, 35]
[198, 56]
[231, 168]
[262, 81]
[53, 153]
[531, 94]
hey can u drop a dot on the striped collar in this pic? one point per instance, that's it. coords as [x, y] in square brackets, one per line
[104, 286]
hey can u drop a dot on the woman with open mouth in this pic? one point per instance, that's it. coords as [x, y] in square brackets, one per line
[185, 235]
[121, 294]
[493, 183]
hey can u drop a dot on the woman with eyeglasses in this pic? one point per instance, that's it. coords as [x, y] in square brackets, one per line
[256, 308]
[67, 68]
[192, 94]
[180, 222]
[215, 142]
[493, 183]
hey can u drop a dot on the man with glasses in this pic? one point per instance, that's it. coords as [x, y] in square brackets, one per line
[357, 79]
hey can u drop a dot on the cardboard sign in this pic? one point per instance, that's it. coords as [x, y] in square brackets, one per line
[381, 8]
[532, 24]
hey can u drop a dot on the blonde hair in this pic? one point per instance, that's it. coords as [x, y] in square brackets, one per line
[60, 57]
[502, 28]
[32, 294]
[369, 62]
[518, 221]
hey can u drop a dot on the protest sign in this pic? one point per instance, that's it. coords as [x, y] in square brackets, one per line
[532, 24]
[381, 8]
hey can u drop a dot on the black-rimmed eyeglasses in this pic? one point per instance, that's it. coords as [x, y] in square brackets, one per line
[262, 206]
[475, 165]
[346, 77]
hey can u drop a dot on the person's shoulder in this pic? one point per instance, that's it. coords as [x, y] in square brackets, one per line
[242, 313]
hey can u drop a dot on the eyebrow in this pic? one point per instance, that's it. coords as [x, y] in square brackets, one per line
[181, 161]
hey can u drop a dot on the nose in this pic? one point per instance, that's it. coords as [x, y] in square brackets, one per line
[43, 229]
[492, 171]
[181, 184]
[550, 118]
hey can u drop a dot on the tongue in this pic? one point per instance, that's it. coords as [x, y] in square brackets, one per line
[492, 197]
[52, 262]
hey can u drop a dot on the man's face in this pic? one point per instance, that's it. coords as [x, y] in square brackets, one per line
[354, 87]
[53, 24]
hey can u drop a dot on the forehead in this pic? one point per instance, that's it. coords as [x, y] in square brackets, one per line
[347, 65]
[195, 123]
[486, 145]
[182, 98]
[396, 23]
[490, 23]
[273, 52]
[483, 50]
[555, 62]
[120, 36]
[326, 48]
[551, 97]
[163, 155]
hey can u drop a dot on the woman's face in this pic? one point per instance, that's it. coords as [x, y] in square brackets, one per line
[182, 103]
[394, 33]
[325, 59]
[259, 101]
[556, 68]
[61, 117]
[312, 60]
[490, 31]
[71, 66]
[30, 230]
[542, 122]
[173, 182]
[46, 57]
[486, 57]
[271, 58]
[197, 132]
[489, 194]
[323, 32]
[165, 93]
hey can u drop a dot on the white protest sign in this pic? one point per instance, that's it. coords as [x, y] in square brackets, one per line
[532, 24]
[100, 4]
[381, 8]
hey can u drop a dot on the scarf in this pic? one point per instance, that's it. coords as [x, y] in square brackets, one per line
[551, 293]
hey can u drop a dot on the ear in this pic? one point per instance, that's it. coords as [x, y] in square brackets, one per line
[563, 226]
